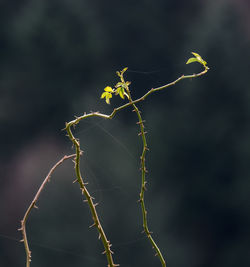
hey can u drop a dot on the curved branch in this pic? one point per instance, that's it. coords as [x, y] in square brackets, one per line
[33, 205]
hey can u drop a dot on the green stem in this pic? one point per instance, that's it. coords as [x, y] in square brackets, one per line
[153, 90]
[89, 199]
[143, 181]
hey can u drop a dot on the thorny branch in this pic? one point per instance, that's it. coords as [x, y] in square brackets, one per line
[33, 205]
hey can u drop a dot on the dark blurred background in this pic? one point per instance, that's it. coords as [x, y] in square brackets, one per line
[55, 59]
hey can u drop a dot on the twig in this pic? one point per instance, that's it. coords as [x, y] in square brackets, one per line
[33, 205]
[89, 199]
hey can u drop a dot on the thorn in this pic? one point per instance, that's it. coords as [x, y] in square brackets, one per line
[20, 229]
[75, 181]
[85, 200]
[36, 207]
[139, 134]
[104, 252]
[139, 122]
[92, 225]
[96, 204]
[22, 240]
[99, 236]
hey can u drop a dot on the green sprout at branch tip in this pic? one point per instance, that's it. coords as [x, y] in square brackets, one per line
[198, 59]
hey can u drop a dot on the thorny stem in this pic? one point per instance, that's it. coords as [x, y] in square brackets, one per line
[115, 110]
[33, 205]
[89, 199]
[142, 133]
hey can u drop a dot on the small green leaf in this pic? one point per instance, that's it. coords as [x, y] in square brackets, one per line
[108, 99]
[197, 58]
[107, 94]
[196, 55]
[108, 89]
[119, 84]
[124, 70]
[191, 60]
[120, 91]
[103, 94]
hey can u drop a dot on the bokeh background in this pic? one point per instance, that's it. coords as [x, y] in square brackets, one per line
[55, 59]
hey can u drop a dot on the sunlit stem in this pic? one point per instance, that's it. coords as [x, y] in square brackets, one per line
[89, 198]
[142, 133]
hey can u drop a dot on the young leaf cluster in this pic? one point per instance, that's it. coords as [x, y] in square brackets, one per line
[198, 59]
[119, 89]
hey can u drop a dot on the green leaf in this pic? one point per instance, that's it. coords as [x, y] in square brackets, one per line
[119, 84]
[103, 94]
[197, 58]
[124, 70]
[120, 91]
[191, 60]
[106, 95]
[196, 55]
[108, 89]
